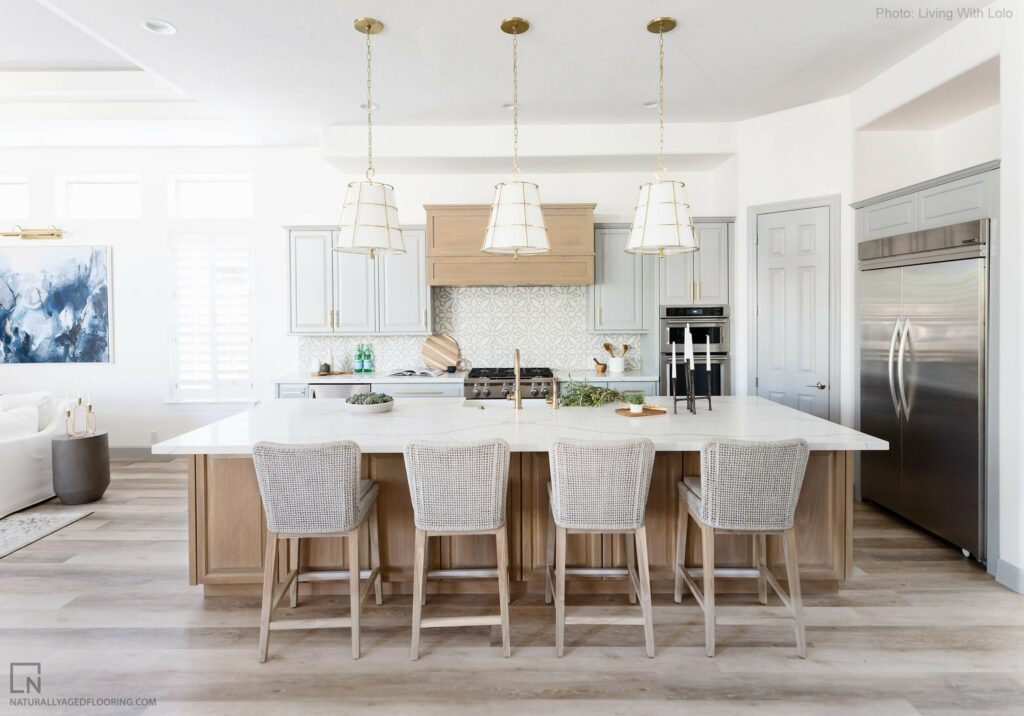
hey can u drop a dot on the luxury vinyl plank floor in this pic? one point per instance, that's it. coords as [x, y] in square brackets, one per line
[105, 607]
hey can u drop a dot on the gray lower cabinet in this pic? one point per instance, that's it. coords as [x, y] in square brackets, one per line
[700, 278]
[334, 293]
[621, 298]
[419, 389]
[292, 390]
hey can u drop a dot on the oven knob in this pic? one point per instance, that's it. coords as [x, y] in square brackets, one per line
[487, 391]
[543, 392]
[476, 392]
[505, 390]
[533, 392]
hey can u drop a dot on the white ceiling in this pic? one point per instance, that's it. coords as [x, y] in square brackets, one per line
[445, 62]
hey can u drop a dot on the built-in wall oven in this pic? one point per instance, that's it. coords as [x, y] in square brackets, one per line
[709, 326]
[706, 322]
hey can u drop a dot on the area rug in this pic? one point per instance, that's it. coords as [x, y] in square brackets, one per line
[19, 530]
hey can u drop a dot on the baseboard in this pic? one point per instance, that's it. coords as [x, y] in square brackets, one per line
[1011, 576]
[138, 453]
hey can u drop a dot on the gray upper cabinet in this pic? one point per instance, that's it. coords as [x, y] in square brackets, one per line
[967, 195]
[700, 278]
[711, 265]
[616, 302]
[311, 299]
[403, 295]
[888, 218]
[961, 200]
[334, 293]
[355, 289]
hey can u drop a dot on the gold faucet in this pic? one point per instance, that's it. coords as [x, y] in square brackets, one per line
[554, 394]
[518, 394]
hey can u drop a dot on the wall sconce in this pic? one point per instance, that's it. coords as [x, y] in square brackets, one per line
[51, 232]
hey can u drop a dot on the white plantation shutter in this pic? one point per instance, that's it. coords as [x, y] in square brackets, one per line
[212, 308]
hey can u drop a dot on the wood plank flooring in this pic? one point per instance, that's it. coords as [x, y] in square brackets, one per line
[104, 605]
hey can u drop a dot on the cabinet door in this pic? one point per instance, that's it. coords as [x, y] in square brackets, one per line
[676, 279]
[615, 302]
[310, 277]
[355, 290]
[956, 201]
[888, 218]
[402, 292]
[711, 265]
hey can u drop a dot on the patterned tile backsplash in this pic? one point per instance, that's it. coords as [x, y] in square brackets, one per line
[548, 324]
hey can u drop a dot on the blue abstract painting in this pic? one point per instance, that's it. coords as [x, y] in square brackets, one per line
[54, 304]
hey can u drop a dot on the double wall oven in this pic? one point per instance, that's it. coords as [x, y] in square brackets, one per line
[708, 325]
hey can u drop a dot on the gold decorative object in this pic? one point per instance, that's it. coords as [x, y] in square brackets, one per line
[71, 420]
[51, 232]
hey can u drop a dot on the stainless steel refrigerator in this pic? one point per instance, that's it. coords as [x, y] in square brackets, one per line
[923, 340]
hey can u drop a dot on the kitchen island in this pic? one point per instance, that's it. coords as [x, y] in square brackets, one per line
[227, 527]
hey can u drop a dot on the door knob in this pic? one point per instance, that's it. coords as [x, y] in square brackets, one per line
[819, 385]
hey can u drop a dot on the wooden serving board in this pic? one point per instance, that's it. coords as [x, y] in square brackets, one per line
[647, 411]
[317, 374]
[439, 351]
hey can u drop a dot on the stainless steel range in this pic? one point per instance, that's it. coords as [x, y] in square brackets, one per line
[500, 383]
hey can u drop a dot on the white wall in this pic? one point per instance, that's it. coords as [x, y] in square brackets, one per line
[798, 153]
[292, 186]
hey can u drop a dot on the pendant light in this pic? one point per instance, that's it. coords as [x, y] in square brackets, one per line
[516, 225]
[369, 216]
[662, 224]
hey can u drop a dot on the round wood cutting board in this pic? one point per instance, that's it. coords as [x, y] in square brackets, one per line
[439, 351]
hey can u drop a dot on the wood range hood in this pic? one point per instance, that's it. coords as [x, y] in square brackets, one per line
[455, 233]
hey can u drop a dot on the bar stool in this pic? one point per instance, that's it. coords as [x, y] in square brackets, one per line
[600, 487]
[458, 489]
[311, 491]
[744, 488]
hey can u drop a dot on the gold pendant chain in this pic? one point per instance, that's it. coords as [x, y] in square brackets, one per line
[661, 105]
[515, 104]
[369, 114]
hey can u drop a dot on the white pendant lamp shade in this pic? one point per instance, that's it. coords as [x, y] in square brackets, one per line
[662, 224]
[369, 220]
[516, 225]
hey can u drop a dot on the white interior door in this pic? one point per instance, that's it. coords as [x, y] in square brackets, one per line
[793, 312]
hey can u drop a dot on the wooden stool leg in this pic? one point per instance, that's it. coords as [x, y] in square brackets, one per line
[795, 597]
[682, 524]
[645, 589]
[550, 561]
[353, 588]
[293, 563]
[426, 566]
[374, 530]
[707, 539]
[417, 592]
[560, 536]
[502, 549]
[760, 564]
[269, 573]
[630, 564]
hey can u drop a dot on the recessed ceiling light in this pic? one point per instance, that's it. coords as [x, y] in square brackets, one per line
[507, 105]
[373, 106]
[653, 104]
[158, 26]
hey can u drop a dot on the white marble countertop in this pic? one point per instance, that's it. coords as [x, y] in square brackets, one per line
[590, 376]
[375, 377]
[528, 430]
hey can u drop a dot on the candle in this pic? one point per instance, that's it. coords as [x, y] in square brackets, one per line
[688, 347]
[673, 360]
[88, 392]
[67, 397]
[707, 355]
[78, 387]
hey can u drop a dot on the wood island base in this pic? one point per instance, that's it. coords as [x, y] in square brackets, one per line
[227, 531]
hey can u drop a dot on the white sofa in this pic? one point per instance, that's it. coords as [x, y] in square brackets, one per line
[28, 422]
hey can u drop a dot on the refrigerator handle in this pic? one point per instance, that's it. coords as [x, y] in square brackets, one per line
[892, 353]
[899, 367]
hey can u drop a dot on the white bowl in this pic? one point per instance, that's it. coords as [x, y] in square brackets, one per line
[617, 365]
[375, 408]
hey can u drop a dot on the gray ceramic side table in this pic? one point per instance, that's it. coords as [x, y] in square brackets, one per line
[81, 468]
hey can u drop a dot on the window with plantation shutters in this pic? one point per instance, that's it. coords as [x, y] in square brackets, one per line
[212, 318]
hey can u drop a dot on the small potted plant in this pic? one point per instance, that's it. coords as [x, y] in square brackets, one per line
[636, 402]
[369, 403]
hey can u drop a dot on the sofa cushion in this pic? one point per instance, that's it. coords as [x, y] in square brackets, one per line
[19, 422]
[44, 401]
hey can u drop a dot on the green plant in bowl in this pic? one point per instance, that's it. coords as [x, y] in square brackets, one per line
[635, 402]
[368, 399]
